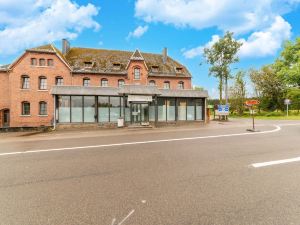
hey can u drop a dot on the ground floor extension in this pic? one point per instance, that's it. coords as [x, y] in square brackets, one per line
[133, 104]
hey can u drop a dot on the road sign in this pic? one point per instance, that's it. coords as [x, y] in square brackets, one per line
[223, 110]
[252, 102]
[287, 101]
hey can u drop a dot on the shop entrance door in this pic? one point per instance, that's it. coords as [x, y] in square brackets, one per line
[140, 113]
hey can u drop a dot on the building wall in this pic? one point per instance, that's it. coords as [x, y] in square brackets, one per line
[10, 86]
[4, 94]
[173, 81]
[33, 94]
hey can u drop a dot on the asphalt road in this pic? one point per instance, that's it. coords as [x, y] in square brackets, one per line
[168, 176]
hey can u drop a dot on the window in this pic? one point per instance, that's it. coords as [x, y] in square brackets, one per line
[104, 82]
[25, 82]
[137, 73]
[181, 109]
[116, 66]
[199, 109]
[43, 108]
[59, 81]
[179, 70]
[190, 109]
[33, 61]
[64, 115]
[25, 108]
[152, 83]
[76, 109]
[167, 85]
[88, 64]
[121, 83]
[180, 85]
[89, 103]
[103, 109]
[42, 83]
[50, 62]
[42, 62]
[155, 69]
[115, 108]
[86, 82]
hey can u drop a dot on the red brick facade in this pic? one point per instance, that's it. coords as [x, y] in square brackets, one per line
[12, 94]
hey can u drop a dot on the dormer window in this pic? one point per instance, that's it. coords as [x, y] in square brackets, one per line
[116, 66]
[179, 69]
[137, 73]
[88, 64]
[155, 69]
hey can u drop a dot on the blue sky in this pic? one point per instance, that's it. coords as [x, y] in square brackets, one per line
[183, 26]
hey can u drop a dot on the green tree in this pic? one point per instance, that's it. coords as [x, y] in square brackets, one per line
[220, 55]
[294, 95]
[287, 66]
[269, 87]
[198, 88]
[238, 93]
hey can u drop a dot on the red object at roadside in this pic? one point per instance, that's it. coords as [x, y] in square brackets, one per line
[252, 102]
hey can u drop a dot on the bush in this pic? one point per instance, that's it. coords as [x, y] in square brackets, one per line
[274, 114]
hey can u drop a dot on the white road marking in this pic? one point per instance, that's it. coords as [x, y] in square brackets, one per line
[132, 211]
[276, 162]
[113, 221]
[139, 142]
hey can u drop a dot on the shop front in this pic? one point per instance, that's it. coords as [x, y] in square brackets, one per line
[136, 105]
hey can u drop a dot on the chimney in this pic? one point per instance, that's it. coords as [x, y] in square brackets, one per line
[165, 55]
[65, 46]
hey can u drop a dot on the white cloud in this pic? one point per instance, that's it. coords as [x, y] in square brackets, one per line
[138, 32]
[234, 15]
[266, 42]
[192, 53]
[36, 22]
[259, 44]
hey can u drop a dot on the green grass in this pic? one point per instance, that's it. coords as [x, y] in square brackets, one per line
[293, 115]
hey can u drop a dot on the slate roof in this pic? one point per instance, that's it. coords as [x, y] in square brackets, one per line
[104, 61]
[80, 90]
[139, 90]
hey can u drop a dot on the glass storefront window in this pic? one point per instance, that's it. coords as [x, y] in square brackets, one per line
[199, 109]
[171, 109]
[181, 109]
[64, 109]
[114, 109]
[152, 112]
[89, 109]
[162, 108]
[103, 109]
[190, 109]
[76, 109]
[127, 110]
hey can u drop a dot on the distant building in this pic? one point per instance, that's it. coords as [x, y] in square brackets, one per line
[46, 87]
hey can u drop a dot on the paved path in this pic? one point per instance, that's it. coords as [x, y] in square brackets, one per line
[180, 176]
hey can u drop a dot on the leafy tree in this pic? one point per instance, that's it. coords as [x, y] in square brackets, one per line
[294, 95]
[220, 55]
[238, 93]
[287, 66]
[269, 87]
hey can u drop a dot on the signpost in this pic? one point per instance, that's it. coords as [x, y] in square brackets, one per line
[250, 104]
[222, 110]
[287, 102]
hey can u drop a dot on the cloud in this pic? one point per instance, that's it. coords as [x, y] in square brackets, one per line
[36, 22]
[234, 15]
[192, 53]
[268, 41]
[259, 44]
[138, 32]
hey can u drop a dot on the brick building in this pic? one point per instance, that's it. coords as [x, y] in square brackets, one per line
[46, 87]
